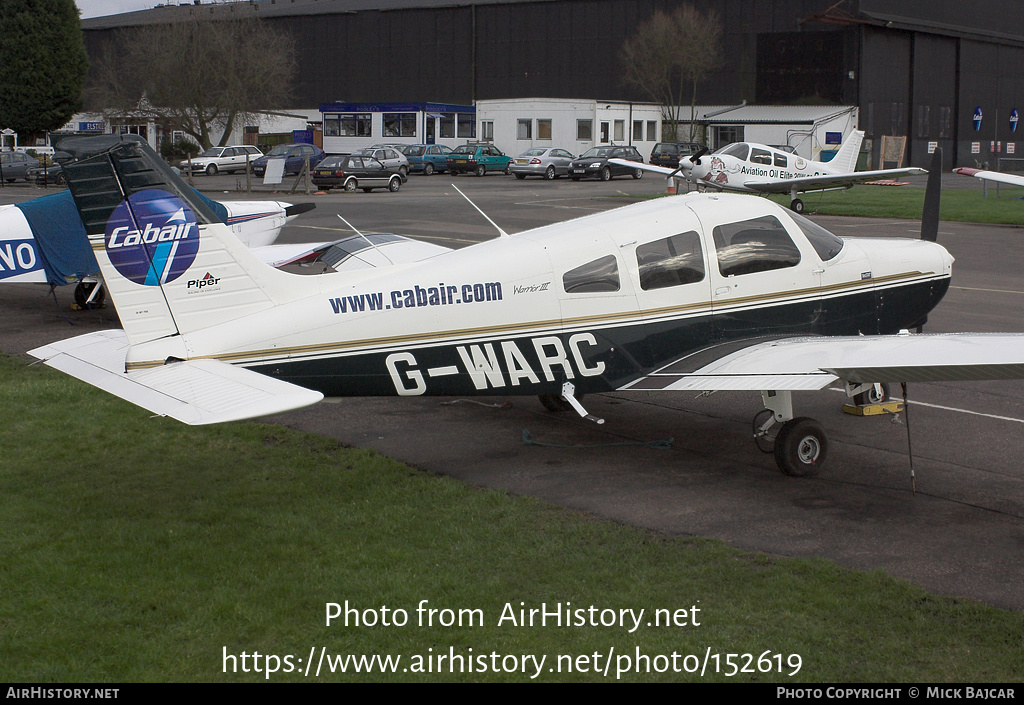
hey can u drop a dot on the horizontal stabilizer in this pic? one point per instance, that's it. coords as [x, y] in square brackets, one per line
[194, 392]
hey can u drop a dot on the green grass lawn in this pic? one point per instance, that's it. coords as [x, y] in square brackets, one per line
[139, 549]
[962, 205]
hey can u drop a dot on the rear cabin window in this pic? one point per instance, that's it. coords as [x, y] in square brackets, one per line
[596, 276]
[673, 261]
[757, 245]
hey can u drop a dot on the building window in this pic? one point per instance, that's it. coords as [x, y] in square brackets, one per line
[584, 130]
[620, 130]
[727, 134]
[466, 124]
[448, 125]
[652, 130]
[353, 125]
[487, 130]
[524, 129]
[945, 123]
[638, 130]
[544, 129]
[923, 118]
[399, 124]
[604, 133]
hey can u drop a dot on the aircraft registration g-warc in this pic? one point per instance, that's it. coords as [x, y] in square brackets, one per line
[694, 292]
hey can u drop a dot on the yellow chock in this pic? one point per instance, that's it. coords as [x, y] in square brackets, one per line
[889, 407]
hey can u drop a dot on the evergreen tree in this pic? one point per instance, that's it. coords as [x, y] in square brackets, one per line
[42, 64]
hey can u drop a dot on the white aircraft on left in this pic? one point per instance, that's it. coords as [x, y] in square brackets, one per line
[43, 241]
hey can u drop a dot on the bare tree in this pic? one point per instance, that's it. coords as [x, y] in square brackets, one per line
[669, 54]
[196, 75]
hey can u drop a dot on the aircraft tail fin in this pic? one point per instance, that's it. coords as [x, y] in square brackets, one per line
[169, 263]
[845, 161]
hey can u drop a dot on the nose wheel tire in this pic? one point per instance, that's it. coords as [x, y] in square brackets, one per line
[801, 447]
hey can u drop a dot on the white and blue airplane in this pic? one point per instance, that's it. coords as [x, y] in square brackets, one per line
[749, 167]
[42, 240]
[702, 292]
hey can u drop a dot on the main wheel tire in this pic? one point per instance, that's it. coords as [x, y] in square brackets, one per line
[351, 185]
[872, 396]
[428, 169]
[82, 292]
[797, 206]
[801, 447]
[211, 170]
[549, 173]
[394, 185]
[480, 170]
[606, 174]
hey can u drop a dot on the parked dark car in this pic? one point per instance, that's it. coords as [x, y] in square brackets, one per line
[427, 158]
[294, 155]
[353, 172]
[478, 159]
[15, 165]
[594, 162]
[51, 173]
[669, 153]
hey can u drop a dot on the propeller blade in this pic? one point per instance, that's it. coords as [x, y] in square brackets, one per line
[299, 208]
[695, 158]
[932, 196]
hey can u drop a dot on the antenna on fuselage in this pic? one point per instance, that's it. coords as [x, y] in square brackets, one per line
[368, 240]
[501, 232]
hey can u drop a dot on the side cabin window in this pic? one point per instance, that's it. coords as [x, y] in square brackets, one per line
[761, 156]
[596, 276]
[757, 245]
[781, 160]
[673, 261]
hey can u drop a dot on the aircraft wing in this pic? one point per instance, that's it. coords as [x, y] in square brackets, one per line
[1011, 179]
[194, 392]
[646, 167]
[815, 363]
[829, 181]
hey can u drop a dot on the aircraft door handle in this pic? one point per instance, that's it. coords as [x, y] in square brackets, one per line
[722, 290]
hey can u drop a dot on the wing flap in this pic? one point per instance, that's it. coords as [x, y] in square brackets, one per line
[195, 392]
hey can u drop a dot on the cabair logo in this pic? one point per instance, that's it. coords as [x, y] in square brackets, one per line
[153, 238]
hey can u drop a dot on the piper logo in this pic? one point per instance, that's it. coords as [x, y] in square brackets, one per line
[208, 280]
[152, 238]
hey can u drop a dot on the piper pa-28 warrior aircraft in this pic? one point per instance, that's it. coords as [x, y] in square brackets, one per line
[748, 167]
[42, 240]
[697, 292]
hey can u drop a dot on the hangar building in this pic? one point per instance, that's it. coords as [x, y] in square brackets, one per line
[939, 72]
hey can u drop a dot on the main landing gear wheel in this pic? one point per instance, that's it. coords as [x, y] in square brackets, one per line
[797, 205]
[873, 395]
[801, 447]
[84, 290]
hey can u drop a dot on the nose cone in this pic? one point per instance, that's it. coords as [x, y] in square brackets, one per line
[695, 172]
[910, 277]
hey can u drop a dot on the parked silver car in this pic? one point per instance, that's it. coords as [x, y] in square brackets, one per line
[389, 156]
[226, 159]
[15, 165]
[548, 162]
